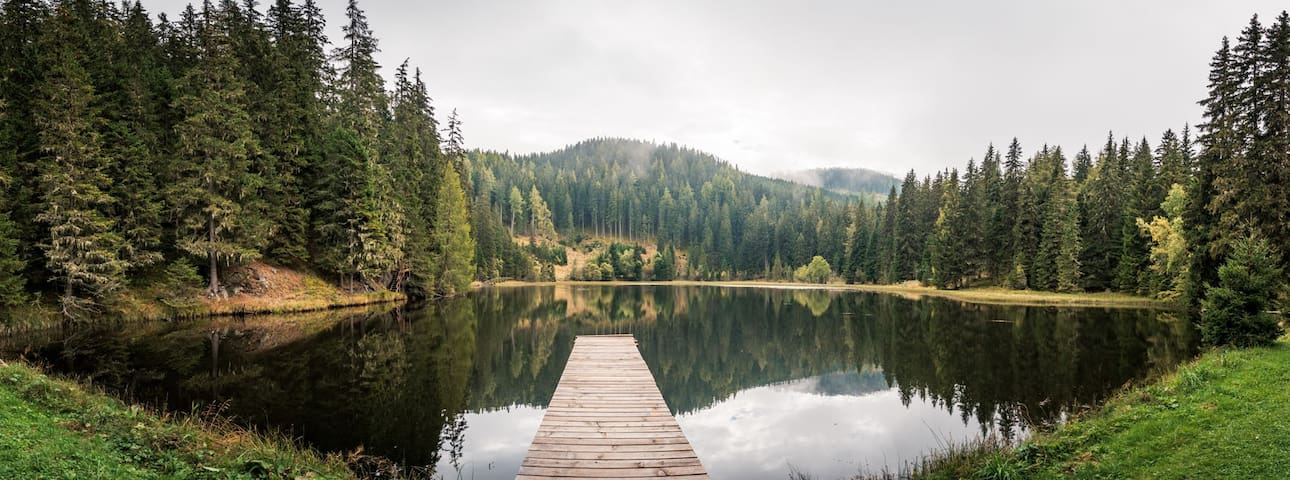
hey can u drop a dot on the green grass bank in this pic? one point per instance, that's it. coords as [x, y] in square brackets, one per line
[1225, 414]
[54, 428]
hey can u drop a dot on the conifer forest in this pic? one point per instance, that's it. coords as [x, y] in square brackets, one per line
[137, 150]
[273, 253]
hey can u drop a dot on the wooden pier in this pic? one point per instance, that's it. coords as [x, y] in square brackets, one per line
[608, 420]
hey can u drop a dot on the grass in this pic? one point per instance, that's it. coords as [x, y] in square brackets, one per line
[293, 292]
[986, 295]
[1224, 415]
[53, 428]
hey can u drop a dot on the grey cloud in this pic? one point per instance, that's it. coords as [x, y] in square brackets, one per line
[767, 84]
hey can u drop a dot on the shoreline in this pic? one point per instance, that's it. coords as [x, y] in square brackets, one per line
[1221, 414]
[51, 426]
[990, 296]
[39, 317]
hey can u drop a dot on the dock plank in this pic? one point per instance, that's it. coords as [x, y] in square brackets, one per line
[607, 419]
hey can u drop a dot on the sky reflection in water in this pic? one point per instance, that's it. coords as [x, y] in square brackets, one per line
[760, 379]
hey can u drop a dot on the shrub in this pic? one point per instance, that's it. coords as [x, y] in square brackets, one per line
[1235, 311]
[818, 271]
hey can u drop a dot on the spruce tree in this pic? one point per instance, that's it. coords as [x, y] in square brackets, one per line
[135, 136]
[218, 147]
[360, 90]
[516, 205]
[1082, 166]
[415, 163]
[1235, 310]
[291, 129]
[453, 246]
[997, 225]
[1010, 207]
[948, 261]
[1219, 147]
[884, 240]
[12, 283]
[540, 225]
[909, 239]
[855, 270]
[1143, 203]
[1069, 271]
[21, 25]
[82, 249]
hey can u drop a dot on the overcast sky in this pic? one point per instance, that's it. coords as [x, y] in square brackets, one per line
[773, 86]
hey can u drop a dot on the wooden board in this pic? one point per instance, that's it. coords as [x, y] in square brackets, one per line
[607, 419]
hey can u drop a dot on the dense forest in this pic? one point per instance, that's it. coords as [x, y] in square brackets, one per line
[135, 151]
[1133, 216]
[138, 151]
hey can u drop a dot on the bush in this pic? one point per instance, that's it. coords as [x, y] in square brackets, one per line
[1235, 311]
[818, 271]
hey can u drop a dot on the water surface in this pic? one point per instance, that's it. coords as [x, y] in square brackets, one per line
[761, 380]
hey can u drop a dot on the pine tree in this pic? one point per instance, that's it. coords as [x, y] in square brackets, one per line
[216, 140]
[516, 206]
[1171, 162]
[1082, 166]
[948, 261]
[134, 101]
[1069, 273]
[1028, 225]
[540, 225]
[858, 253]
[997, 225]
[884, 240]
[415, 163]
[1101, 208]
[1051, 190]
[12, 283]
[454, 149]
[1010, 208]
[1143, 202]
[1271, 146]
[1220, 145]
[1235, 310]
[292, 125]
[361, 100]
[909, 239]
[21, 25]
[453, 245]
[81, 247]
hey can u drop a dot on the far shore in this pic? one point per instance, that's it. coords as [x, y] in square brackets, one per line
[996, 296]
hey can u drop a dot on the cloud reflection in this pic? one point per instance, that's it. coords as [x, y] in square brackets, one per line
[761, 432]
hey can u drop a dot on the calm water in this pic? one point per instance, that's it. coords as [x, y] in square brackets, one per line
[761, 380]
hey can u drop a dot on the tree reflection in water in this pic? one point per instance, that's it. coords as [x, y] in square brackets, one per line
[398, 382]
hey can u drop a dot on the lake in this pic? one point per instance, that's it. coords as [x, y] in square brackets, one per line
[761, 380]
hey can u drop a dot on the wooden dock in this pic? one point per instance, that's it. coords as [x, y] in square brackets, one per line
[608, 420]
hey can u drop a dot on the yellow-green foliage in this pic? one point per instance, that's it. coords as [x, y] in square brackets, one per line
[818, 271]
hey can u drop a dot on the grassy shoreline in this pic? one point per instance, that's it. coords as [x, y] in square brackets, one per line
[50, 427]
[997, 296]
[1225, 414]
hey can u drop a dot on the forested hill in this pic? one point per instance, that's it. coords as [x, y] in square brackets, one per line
[134, 149]
[672, 195]
[860, 181]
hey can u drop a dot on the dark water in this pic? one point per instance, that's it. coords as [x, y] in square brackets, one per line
[760, 379]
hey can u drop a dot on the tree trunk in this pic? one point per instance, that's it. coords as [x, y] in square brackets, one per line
[213, 289]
